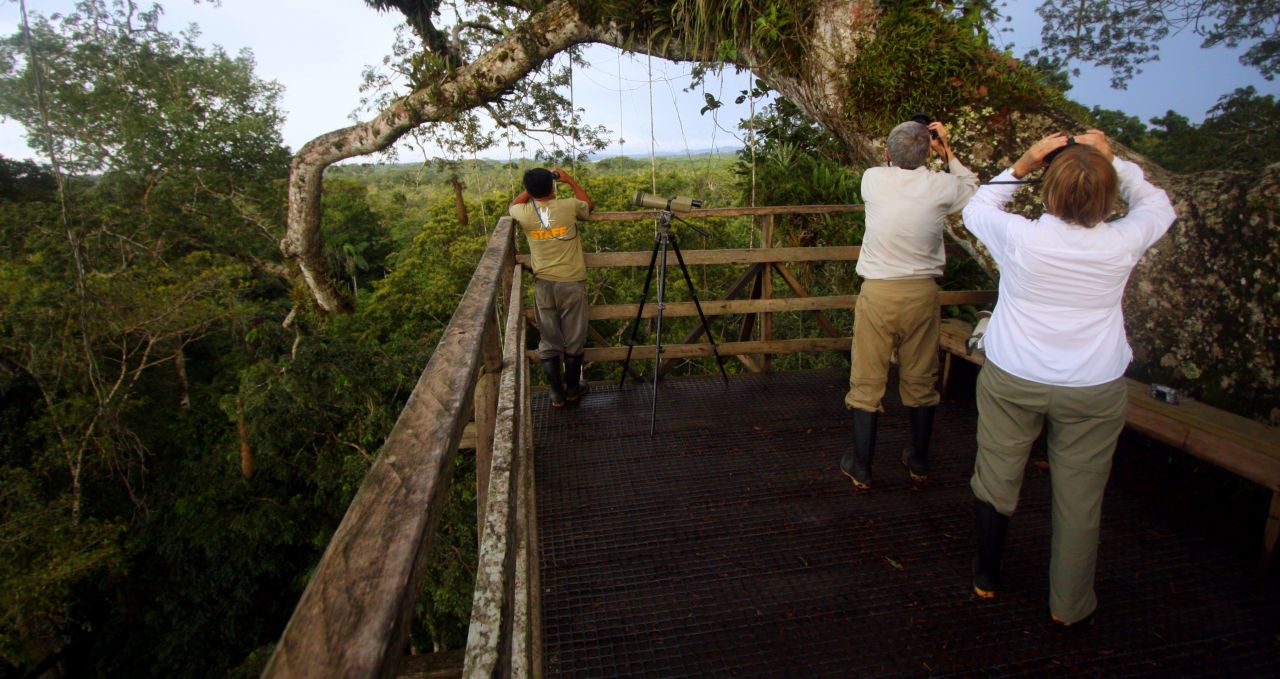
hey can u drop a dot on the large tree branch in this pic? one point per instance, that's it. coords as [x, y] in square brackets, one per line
[814, 84]
[547, 32]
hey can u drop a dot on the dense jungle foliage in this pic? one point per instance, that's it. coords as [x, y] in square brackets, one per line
[180, 430]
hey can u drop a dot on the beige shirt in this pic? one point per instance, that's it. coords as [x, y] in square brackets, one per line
[906, 213]
[555, 248]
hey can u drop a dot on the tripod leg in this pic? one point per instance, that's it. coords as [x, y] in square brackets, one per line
[635, 325]
[706, 327]
[662, 305]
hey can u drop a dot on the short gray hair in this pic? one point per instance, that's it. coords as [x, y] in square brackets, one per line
[908, 145]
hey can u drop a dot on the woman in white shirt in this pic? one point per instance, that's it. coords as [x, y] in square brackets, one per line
[1056, 350]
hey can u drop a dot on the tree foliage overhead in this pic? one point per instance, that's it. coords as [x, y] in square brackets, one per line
[1240, 132]
[1122, 35]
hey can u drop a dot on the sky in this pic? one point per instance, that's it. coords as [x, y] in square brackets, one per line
[317, 49]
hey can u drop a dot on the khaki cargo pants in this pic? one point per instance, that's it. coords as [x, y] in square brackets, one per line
[901, 314]
[1084, 423]
[562, 317]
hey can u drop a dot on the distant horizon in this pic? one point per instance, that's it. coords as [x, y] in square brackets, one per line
[591, 157]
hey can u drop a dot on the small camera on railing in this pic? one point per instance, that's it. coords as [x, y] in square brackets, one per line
[1165, 394]
[672, 204]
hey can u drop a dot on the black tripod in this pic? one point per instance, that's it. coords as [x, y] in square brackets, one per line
[662, 239]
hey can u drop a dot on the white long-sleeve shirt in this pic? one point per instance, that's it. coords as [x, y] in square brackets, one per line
[1058, 320]
[905, 213]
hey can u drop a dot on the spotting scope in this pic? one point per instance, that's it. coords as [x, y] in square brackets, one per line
[672, 204]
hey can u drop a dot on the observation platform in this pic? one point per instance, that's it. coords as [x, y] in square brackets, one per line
[729, 544]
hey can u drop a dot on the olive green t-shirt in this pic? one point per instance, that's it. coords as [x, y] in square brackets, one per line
[555, 247]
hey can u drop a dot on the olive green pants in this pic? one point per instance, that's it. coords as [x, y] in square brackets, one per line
[562, 317]
[895, 314]
[1084, 423]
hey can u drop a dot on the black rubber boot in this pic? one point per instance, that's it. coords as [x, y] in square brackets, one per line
[915, 457]
[991, 526]
[574, 385]
[857, 464]
[551, 368]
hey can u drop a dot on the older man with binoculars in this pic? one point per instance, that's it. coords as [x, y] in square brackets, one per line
[902, 256]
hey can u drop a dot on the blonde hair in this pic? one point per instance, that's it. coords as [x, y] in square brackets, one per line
[1080, 186]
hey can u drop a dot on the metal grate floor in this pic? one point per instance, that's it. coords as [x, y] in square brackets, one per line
[729, 545]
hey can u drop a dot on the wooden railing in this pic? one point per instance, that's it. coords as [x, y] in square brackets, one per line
[353, 618]
[758, 281]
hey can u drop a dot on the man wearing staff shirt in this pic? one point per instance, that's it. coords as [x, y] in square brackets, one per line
[560, 271]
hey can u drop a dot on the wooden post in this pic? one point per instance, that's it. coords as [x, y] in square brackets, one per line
[748, 327]
[766, 288]
[486, 409]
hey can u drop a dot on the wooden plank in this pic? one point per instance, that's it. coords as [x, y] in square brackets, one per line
[748, 325]
[487, 645]
[834, 253]
[468, 440]
[641, 215]
[720, 307]
[953, 337]
[1213, 421]
[724, 307]
[947, 297]
[486, 410]
[675, 351]
[1237, 444]
[353, 618]
[830, 253]
[518, 584]
[766, 289]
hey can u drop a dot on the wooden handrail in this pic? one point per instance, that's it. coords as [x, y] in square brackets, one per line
[826, 253]
[724, 307]
[777, 346]
[353, 618]
[640, 215]
[488, 639]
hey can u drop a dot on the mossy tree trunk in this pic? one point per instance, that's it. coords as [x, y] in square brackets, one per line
[1202, 305]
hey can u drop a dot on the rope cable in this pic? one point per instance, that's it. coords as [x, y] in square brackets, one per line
[715, 119]
[653, 161]
[622, 151]
[573, 120]
[676, 105]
